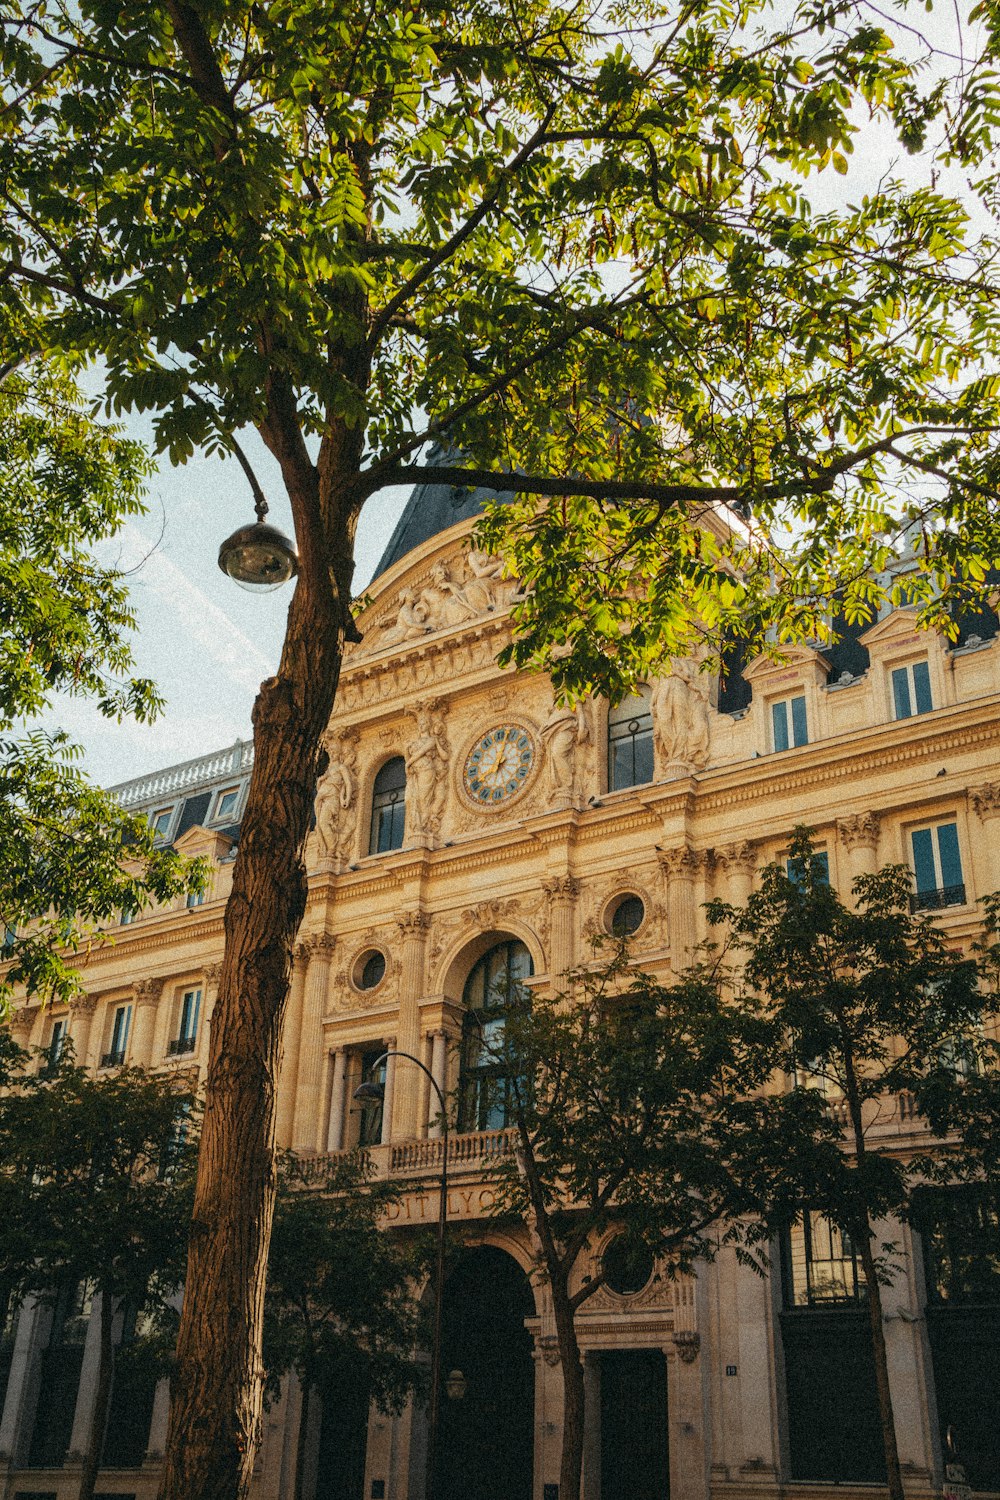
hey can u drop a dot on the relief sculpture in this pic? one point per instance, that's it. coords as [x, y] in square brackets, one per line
[337, 814]
[681, 718]
[426, 770]
[446, 600]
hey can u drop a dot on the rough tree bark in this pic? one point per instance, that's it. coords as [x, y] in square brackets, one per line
[102, 1399]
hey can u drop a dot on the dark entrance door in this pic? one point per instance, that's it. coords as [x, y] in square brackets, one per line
[635, 1463]
[486, 1436]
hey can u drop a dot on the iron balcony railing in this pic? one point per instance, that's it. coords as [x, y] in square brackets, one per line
[180, 1045]
[946, 895]
[113, 1059]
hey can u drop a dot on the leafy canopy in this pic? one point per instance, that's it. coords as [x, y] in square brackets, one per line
[67, 483]
[575, 245]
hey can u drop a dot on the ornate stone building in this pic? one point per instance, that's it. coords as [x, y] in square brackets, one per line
[467, 827]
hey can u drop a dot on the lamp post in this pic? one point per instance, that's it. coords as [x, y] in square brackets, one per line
[374, 1090]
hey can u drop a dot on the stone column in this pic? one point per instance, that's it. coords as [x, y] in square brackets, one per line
[681, 866]
[311, 1052]
[33, 1323]
[413, 928]
[145, 999]
[985, 872]
[289, 1069]
[81, 1022]
[859, 836]
[439, 1069]
[335, 1125]
[592, 1425]
[86, 1391]
[389, 1097]
[211, 977]
[738, 863]
[562, 891]
[22, 1023]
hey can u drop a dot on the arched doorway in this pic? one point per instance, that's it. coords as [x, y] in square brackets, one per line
[486, 1433]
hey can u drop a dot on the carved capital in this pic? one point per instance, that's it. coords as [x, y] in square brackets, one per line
[22, 1020]
[683, 862]
[738, 858]
[83, 1005]
[985, 799]
[413, 923]
[147, 991]
[302, 950]
[212, 973]
[561, 888]
[860, 831]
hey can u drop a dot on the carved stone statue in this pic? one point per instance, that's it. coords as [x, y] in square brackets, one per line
[681, 718]
[563, 732]
[338, 810]
[445, 601]
[411, 622]
[482, 589]
[426, 771]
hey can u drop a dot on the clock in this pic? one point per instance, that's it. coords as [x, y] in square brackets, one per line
[499, 765]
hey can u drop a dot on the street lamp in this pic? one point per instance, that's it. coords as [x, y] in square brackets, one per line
[259, 558]
[375, 1092]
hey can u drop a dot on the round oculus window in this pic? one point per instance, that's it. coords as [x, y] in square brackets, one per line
[627, 1268]
[627, 917]
[498, 766]
[371, 970]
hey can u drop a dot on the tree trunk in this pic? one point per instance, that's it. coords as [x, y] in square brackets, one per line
[301, 1440]
[574, 1413]
[102, 1399]
[894, 1477]
[217, 1385]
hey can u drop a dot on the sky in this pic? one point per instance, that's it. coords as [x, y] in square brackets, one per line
[208, 644]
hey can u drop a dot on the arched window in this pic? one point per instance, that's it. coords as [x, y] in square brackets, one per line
[630, 742]
[388, 807]
[493, 986]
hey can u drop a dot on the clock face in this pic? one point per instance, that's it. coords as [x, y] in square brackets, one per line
[498, 766]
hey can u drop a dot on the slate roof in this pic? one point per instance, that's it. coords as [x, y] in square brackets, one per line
[432, 508]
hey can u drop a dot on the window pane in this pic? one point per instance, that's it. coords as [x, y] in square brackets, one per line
[779, 722]
[922, 687]
[951, 861]
[800, 731]
[901, 693]
[642, 770]
[923, 859]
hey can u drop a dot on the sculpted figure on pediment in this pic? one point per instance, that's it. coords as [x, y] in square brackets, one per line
[446, 600]
[426, 770]
[411, 622]
[483, 588]
[681, 717]
[338, 809]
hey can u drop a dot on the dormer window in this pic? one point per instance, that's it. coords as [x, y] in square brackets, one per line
[911, 690]
[789, 726]
[161, 820]
[226, 803]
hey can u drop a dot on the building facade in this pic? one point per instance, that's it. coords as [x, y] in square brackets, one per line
[468, 826]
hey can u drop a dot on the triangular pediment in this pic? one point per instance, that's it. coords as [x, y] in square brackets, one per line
[901, 622]
[208, 842]
[802, 658]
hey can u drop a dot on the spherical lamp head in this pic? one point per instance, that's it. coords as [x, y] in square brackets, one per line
[259, 558]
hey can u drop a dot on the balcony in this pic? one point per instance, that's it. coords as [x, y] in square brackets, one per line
[409, 1160]
[947, 895]
[180, 1045]
[113, 1059]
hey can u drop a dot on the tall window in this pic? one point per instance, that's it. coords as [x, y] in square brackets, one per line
[495, 984]
[630, 742]
[120, 1023]
[388, 807]
[370, 1125]
[937, 867]
[57, 1042]
[789, 727]
[187, 1029]
[820, 1264]
[911, 690]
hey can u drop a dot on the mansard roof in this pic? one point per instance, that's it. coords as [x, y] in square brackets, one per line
[433, 508]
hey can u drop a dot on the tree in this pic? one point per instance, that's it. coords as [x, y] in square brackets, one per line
[96, 1184]
[637, 1105]
[574, 248]
[66, 483]
[339, 1308]
[872, 1003]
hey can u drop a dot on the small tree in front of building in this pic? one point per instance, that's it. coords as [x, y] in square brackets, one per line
[640, 1106]
[871, 1005]
[340, 1307]
[96, 1182]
